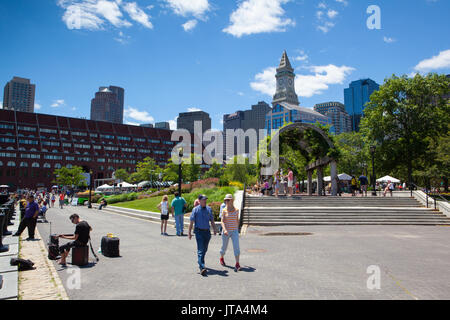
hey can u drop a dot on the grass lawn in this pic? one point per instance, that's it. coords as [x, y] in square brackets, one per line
[149, 204]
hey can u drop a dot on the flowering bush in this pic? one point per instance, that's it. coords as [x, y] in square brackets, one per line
[237, 184]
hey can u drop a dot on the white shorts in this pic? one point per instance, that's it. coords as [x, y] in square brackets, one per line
[290, 184]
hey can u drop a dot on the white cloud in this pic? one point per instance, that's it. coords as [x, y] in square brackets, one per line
[190, 25]
[302, 57]
[37, 106]
[344, 2]
[196, 8]
[137, 115]
[137, 14]
[194, 109]
[58, 103]
[441, 61]
[305, 85]
[258, 16]
[94, 14]
[326, 27]
[332, 13]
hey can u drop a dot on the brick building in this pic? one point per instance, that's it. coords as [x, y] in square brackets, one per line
[33, 145]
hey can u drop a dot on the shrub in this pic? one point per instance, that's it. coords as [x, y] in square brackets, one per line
[237, 184]
[215, 206]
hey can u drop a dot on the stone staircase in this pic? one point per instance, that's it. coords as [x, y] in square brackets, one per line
[270, 211]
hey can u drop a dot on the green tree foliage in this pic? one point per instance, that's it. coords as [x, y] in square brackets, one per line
[122, 175]
[355, 157]
[403, 118]
[215, 171]
[69, 177]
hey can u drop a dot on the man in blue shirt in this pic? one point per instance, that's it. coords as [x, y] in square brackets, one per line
[30, 218]
[364, 182]
[202, 216]
[178, 207]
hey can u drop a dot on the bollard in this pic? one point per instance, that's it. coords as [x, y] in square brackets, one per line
[4, 224]
[8, 215]
[3, 248]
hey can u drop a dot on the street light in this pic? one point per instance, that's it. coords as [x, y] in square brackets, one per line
[372, 151]
[90, 189]
[179, 171]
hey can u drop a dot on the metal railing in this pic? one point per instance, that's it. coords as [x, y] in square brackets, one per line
[241, 220]
[429, 194]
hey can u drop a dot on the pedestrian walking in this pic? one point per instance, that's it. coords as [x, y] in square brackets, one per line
[163, 206]
[364, 183]
[53, 199]
[276, 180]
[201, 217]
[354, 186]
[290, 178]
[178, 210]
[30, 218]
[61, 200]
[230, 227]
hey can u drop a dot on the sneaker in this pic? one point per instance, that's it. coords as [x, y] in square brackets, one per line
[222, 261]
[162, 233]
[166, 234]
[203, 272]
[237, 267]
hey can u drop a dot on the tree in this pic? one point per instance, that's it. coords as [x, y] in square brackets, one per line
[354, 153]
[122, 174]
[402, 116]
[69, 177]
[215, 171]
[147, 170]
[193, 170]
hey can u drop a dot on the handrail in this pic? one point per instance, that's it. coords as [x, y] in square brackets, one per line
[241, 220]
[430, 194]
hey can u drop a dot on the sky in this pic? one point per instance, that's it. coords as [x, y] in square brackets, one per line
[218, 56]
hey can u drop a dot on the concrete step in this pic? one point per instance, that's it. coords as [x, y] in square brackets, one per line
[314, 222]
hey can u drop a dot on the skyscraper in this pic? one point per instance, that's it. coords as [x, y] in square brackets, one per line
[186, 120]
[108, 105]
[245, 120]
[356, 97]
[19, 95]
[340, 119]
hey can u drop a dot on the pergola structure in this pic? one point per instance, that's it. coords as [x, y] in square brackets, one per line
[318, 164]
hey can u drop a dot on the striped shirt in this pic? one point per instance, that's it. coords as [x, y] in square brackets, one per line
[230, 219]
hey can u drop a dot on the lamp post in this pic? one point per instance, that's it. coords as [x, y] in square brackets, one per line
[372, 151]
[90, 189]
[179, 171]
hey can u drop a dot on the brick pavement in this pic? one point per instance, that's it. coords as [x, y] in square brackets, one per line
[42, 283]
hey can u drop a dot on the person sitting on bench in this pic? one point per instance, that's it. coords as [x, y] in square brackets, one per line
[80, 237]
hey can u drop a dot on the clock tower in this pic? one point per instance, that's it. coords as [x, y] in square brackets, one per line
[285, 83]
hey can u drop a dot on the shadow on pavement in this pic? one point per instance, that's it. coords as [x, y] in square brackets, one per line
[213, 272]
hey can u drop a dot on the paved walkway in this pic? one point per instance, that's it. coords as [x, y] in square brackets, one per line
[42, 283]
[329, 263]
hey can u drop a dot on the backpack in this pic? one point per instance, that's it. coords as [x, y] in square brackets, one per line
[23, 265]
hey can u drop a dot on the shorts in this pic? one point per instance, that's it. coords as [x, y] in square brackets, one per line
[69, 245]
[290, 184]
[164, 217]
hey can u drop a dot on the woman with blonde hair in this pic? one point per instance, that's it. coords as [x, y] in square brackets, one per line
[230, 229]
[163, 206]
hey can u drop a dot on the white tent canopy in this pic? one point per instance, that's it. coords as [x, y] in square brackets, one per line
[126, 185]
[342, 177]
[104, 187]
[4, 186]
[143, 184]
[388, 178]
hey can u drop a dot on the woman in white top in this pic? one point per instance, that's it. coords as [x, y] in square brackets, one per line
[163, 206]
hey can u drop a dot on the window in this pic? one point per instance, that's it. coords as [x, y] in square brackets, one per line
[6, 126]
[50, 143]
[7, 155]
[26, 141]
[82, 134]
[7, 140]
[69, 166]
[57, 166]
[35, 165]
[49, 130]
[23, 165]
[70, 158]
[11, 164]
[1, 163]
[26, 128]
[47, 165]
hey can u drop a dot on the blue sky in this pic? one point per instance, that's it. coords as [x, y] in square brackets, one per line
[218, 56]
